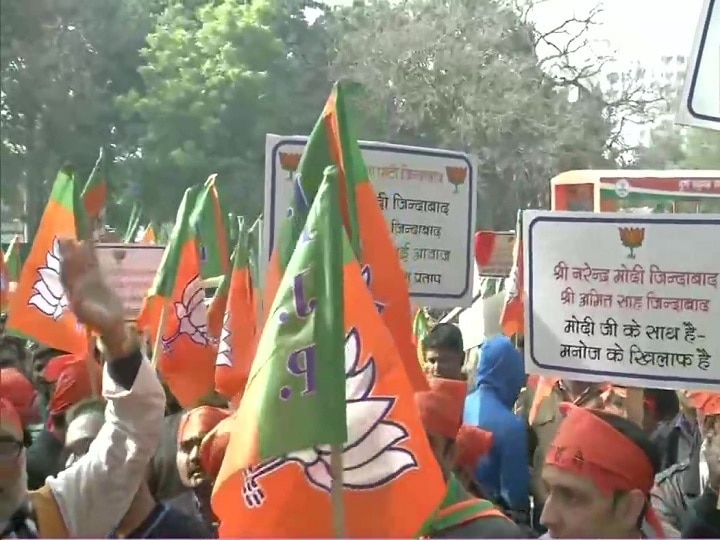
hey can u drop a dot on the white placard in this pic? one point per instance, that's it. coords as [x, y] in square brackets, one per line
[629, 299]
[700, 105]
[435, 242]
[130, 269]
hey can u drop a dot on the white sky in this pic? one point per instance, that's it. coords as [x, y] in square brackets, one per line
[637, 30]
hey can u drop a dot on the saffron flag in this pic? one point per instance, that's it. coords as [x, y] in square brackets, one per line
[210, 227]
[148, 236]
[94, 194]
[239, 334]
[294, 400]
[186, 360]
[332, 142]
[40, 309]
[512, 318]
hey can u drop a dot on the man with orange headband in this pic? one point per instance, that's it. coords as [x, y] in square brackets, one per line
[685, 496]
[598, 472]
[460, 514]
[85, 500]
[194, 426]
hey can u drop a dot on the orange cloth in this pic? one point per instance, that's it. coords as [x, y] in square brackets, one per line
[707, 402]
[213, 446]
[74, 384]
[10, 419]
[472, 443]
[441, 407]
[16, 388]
[581, 447]
[57, 365]
[199, 421]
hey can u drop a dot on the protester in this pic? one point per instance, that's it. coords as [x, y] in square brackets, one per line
[504, 472]
[164, 479]
[598, 472]
[146, 517]
[685, 496]
[17, 388]
[444, 352]
[72, 380]
[193, 428]
[678, 438]
[86, 499]
[460, 514]
[12, 353]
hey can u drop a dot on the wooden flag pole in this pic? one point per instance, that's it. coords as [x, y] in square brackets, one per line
[157, 347]
[336, 491]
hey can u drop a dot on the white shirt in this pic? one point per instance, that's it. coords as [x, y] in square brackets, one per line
[97, 490]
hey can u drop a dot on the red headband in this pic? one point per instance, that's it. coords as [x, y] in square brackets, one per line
[472, 443]
[10, 419]
[441, 407]
[199, 421]
[707, 402]
[581, 446]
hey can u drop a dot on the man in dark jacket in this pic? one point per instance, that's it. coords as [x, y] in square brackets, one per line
[686, 495]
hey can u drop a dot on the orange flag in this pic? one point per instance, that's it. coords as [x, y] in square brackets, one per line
[512, 318]
[239, 335]
[39, 308]
[186, 360]
[392, 481]
[148, 236]
[332, 142]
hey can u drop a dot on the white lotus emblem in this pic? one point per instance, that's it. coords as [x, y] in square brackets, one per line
[372, 457]
[511, 284]
[191, 312]
[48, 292]
[366, 273]
[224, 357]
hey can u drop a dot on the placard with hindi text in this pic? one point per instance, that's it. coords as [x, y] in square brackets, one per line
[629, 299]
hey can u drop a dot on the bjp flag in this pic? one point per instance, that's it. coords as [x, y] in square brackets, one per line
[40, 308]
[275, 479]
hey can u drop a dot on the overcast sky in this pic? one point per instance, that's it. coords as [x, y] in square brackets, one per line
[638, 30]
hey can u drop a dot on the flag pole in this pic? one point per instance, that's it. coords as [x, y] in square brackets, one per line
[157, 347]
[336, 490]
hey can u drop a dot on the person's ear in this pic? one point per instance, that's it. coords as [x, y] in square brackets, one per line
[629, 507]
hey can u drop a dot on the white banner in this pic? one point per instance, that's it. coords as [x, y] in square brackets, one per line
[630, 299]
[429, 200]
[700, 105]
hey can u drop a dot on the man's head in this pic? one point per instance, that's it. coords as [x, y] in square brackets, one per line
[12, 353]
[443, 349]
[84, 421]
[441, 410]
[13, 476]
[17, 388]
[194, 426]
[598, 473]
[40, 358]
[660, 406]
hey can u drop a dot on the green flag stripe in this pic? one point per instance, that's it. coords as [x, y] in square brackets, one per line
[300, 364]
[166, 276]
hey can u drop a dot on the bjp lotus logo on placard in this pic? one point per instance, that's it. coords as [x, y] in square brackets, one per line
[456, 176]
[632, 238]
[289, 162]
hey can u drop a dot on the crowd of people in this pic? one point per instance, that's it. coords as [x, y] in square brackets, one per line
[98, 447]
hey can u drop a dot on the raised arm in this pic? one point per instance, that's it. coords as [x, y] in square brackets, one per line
[95, 492]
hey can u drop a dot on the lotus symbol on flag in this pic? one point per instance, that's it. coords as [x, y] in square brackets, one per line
[367, 275]
[225, 347]
[372, 456]
[48, 292]
[191, 314]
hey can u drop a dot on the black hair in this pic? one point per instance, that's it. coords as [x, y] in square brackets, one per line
[444, 336]
[637, 436]
[666, 402]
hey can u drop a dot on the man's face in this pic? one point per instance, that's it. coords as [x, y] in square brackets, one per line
[575, 508]
[188, 462]
[445, 363]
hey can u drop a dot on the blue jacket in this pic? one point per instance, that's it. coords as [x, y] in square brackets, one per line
[504, 473]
